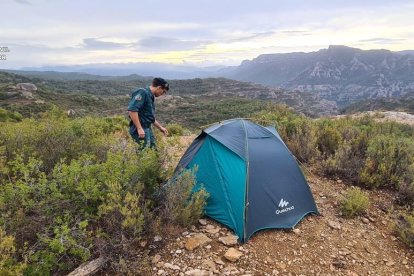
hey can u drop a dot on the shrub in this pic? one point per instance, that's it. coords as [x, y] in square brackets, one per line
[405, 229]
[56, 215]
[56, 137]
[328, 137]
[354, 202]
[61, 246]
[388, 162]
[184, 200]
[8, 263]
[11, 116]
[149, 170]
[123, 210]
[302, 139]
[406, 194]
[349, 157]
[175, 130]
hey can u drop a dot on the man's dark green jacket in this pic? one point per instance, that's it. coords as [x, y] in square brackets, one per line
[142, 101]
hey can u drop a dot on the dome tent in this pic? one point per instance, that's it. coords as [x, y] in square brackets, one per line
[253, 180]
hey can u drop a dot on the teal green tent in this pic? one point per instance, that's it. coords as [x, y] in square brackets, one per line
[253, 180]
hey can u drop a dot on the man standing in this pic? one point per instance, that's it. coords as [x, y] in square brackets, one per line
[141, 109]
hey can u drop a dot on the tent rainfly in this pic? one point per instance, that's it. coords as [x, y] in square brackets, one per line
[253, 180]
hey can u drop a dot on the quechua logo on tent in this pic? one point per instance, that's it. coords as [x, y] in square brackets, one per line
[283, 204]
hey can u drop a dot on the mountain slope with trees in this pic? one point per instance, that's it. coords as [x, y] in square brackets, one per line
[111, 95]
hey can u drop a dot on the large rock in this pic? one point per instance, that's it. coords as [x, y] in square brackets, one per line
[210, 265]
[229, 240]
[334, 225]
[26, 89]
[211, 229]
[171, 266]
[71, 112]
[29, 87]
[27, 94]
[197, 272]
[88, 268]
[202, 222]
[196, 241]
[156, 259]
[233, 254]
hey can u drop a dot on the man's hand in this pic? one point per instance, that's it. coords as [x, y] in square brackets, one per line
[141, 132]
[161, 128]
[164, 130]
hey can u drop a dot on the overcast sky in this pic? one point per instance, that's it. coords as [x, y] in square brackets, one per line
[196, 32]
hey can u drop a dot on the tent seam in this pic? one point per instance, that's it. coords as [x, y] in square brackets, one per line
[225, 191]
[246, 190]
[225, 146]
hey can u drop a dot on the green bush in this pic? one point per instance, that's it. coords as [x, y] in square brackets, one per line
[355, 202]
[8, 263]
[406, 194]
[328, 137]
[175, 130]
[61, 210]
[404, 228]
[56, 137]
[150, 171]
[71, 187]
[388, 162]
[10, 116]
[184, 200]
[64, 244]
[349, 157]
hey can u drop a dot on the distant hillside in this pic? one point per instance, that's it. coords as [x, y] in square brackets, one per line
[406, 52]
[111, 96]
[405, 104]
[341, 74]
[54, 75]
[171, 71]
[10, 78]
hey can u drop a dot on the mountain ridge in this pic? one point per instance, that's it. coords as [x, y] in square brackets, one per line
[339, 73]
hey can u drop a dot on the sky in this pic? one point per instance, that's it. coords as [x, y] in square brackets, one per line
[195, 32]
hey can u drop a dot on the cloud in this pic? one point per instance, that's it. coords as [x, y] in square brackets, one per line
[155, 43]
[269, 34]
[97, 44]
[251, 37]
[25, 2]
[382, 40]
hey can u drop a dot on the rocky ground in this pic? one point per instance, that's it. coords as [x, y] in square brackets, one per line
[328, 244]
[319, 245]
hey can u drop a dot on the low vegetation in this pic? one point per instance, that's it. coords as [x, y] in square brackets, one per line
[10, 116]
[404, 104]
[175, 129]
[72, 189]
[355, 202]
[405, 229]
[76, 188]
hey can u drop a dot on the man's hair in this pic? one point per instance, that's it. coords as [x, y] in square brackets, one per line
[160, 82]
